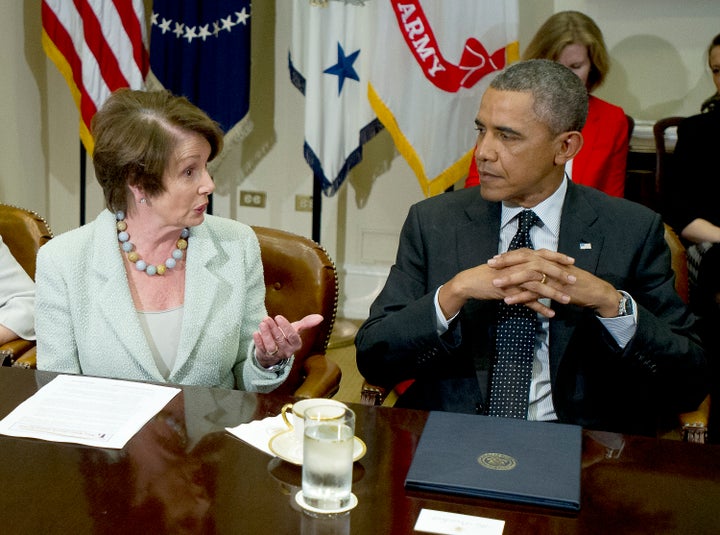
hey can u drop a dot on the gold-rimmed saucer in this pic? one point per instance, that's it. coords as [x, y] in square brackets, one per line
[285, 446]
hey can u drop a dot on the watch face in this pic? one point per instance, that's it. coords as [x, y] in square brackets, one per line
[625, 308]
[278, 366]
[621, 306]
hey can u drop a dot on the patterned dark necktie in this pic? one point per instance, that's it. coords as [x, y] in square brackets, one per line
[514, 343]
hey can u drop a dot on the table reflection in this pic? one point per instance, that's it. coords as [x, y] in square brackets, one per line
[325, 525]
[156, 481]
[601, 445]
[289, 479]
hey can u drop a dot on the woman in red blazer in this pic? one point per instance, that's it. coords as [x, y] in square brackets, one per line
[573, 39]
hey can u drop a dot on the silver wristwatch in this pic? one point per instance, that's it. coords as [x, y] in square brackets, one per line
[278, 367]
[625, 307]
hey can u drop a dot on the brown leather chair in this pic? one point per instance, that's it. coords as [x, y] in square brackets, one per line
[663, 158]
[694, 425]
[24, 232]
[678, 260]
[300, 279]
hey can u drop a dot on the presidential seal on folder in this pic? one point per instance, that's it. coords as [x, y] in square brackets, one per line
[499, 458]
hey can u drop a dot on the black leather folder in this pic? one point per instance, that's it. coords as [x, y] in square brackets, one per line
[498, 458]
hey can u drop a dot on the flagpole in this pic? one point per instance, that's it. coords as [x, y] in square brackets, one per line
[316, 207]
[344, 331]
[83, 174]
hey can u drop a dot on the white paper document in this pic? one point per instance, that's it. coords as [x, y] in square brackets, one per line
[99, 412]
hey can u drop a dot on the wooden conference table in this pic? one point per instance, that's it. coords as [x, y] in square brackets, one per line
[183, 473]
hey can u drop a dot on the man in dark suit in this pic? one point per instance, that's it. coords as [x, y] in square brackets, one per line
[614, 347]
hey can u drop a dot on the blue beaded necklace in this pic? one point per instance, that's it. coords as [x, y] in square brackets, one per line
[150, 269]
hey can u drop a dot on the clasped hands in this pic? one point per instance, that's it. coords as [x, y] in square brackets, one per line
[277, 339]
[524, 276]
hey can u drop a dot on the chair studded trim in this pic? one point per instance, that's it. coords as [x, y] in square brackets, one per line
[20, 228]
[336, 292]
[326, 342]
[37, 216]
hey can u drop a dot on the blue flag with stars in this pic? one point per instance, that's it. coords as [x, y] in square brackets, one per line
[329, 63]
[201, 50]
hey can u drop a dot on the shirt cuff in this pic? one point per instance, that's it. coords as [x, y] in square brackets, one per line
[441, 323]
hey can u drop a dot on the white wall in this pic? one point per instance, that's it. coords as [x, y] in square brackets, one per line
[23, 105]
[658, 50]
[659, 69]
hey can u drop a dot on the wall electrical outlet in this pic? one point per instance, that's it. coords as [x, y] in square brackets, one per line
[255, 199]
[303, 203]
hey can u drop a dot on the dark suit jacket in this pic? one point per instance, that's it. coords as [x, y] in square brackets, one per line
[594, 383]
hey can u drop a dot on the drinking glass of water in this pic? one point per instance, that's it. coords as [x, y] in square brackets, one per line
[328, 457]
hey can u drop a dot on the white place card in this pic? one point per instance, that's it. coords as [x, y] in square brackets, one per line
[444, 523]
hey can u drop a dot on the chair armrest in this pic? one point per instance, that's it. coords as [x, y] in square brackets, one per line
[27, 359]
[12, 350]
[322, 378]
[695, 423]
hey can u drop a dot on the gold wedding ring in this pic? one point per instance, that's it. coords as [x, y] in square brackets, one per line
[273, 353]
[543, 279]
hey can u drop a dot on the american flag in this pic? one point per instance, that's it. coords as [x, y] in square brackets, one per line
[98, 46]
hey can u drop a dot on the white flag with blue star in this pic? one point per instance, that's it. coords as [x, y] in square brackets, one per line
[329, 63]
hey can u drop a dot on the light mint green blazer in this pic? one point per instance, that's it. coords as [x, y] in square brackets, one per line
[86, 322]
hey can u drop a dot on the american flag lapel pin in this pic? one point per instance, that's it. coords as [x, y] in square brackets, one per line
[585, 246]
